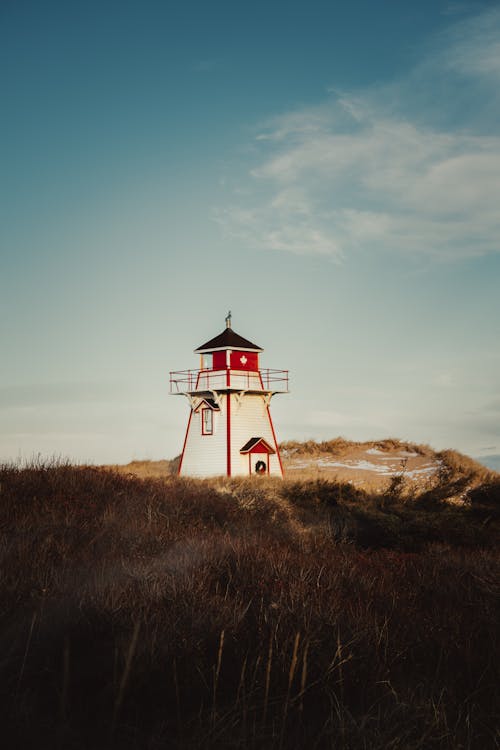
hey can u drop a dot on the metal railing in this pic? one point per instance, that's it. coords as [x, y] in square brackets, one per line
[185, 381]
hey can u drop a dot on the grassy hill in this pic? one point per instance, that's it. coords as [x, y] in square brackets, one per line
[163, 612]
[370, 465]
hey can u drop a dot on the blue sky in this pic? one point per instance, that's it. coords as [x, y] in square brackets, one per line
[328, 171]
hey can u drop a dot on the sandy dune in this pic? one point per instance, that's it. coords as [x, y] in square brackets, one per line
[368, 467]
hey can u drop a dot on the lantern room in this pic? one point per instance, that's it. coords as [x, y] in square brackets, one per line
[230, 351]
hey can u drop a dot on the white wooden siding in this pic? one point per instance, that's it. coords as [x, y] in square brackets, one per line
[206, 455]
[249, 419]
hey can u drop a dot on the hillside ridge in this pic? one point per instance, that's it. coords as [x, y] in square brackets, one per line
[369, 465]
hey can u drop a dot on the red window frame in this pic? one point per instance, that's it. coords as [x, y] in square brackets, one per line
[207, 422]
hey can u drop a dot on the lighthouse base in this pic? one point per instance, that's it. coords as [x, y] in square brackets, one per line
[236, 438]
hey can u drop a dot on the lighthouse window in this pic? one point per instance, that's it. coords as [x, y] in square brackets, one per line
[207, 422]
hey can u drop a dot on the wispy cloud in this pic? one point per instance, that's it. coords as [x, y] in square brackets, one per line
[366, 172]
[473, 45]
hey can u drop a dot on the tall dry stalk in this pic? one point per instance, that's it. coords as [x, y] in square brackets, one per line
[241, 684]
[303, 678]
[341, 684]
[216, 675]
[291, 674]
[268, 676]
[126, 673]
[28, 641]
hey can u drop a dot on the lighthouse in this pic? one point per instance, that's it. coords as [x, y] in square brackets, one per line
[230, 430]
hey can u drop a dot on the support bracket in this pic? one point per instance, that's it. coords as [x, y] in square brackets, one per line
[238, 397]
[193, 401]
[217, 398]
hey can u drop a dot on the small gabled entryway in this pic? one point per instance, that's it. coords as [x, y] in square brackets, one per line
[258, 451]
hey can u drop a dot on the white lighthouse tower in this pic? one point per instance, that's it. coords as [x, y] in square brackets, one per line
[230, 430]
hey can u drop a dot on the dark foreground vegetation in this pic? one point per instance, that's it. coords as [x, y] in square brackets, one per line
[168, 613]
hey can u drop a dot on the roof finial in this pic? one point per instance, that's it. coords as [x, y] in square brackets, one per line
[228, 320]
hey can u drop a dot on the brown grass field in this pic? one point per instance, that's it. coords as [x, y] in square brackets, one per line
[158, 612]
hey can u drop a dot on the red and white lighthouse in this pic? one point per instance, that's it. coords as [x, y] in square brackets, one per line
[230, 430]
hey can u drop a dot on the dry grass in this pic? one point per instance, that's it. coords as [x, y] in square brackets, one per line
[341, 447]
[458, 465]
[409, 469]
[153, 613]
[148, 469]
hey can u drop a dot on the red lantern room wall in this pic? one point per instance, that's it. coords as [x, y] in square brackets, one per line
[230, 430]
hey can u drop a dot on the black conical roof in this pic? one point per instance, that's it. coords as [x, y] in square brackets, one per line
[228, 339]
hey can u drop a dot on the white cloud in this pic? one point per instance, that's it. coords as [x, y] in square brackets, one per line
[472, 47]
[351, 175]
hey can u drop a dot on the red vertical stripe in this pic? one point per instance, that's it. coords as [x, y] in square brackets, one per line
[228, 435]
[272, 430]
[275, 441]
